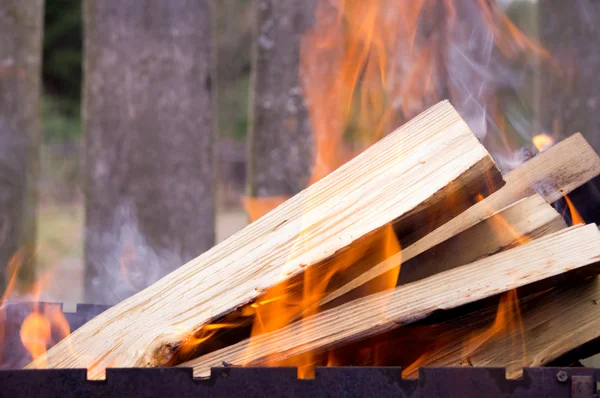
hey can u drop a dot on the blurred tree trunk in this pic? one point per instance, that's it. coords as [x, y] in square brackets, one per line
[570, 92]
[21, 26]
[149, 136]
[280, 143]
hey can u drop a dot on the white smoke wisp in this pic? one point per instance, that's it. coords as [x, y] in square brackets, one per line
[129, 262]
[487, 86]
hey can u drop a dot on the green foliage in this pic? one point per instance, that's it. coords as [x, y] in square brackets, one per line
[524, 14]
[58, 121]
[232, 108]
[233, 38]
[62, 70]
[62, 64]
[63, 60]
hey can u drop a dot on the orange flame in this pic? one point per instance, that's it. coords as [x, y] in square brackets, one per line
[508, 316]
[509, 302]
[292, 299]
[415, 365]
[344, 70]
[367, 66]
[35, 334]
[13, 269]
[575, 216]
[43, 326]
[258, 207]
[505, 321]
[542, 142]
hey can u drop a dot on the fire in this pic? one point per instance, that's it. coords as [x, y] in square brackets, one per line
[344, 71]
[13, 269]
[35, 334]
[508, 316]
[542, 142]
[42, 328]
[46, 324]
[505, 321]
[415, 365]
[365, 68]
[299, 298]
[575, 216]
[258, 207]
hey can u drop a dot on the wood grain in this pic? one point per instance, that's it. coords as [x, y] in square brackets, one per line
[401, 179]
[519, 223]
[563, 251]
[553, 323]
[552, 174]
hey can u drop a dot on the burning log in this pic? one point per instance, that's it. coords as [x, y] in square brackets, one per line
[553, 173]
[552, 323]
[528, 219]
[572, 249]
[408, 179]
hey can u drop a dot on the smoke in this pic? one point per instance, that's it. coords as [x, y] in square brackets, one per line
[490, 69]
[121, 261]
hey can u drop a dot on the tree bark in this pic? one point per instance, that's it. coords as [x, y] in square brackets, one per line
[149, 135]
[280, 143]
[21, 27]
[569, 100]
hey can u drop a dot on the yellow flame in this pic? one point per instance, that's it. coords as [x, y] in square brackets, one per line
[542, 142]
[575, 216]
[364, 68]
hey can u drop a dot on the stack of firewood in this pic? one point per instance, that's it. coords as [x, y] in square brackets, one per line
[464, 233]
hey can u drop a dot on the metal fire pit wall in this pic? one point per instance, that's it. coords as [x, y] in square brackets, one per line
[12, 353]
[282, 382]
[273, 382]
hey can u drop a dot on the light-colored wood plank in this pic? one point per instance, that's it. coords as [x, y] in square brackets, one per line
[552, 174]
[403, 179]
[555, 254]
[553, 323]
[519, 223]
